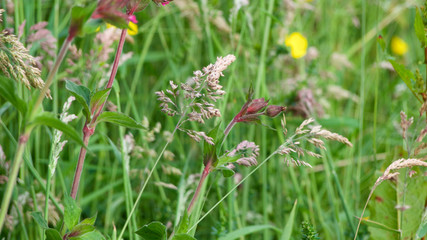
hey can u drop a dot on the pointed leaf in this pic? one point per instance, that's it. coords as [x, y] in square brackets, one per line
[49, 119]
[406, 75]
[119, 119]
[209, 151]
[419, 28]
[98, 98]
[79, 16]
[94, 235]
[287, 231]
[183, 224]
[82, 95]
[81, 229]
[38, 217]
[422, 229]
[52, 234]
[226, 172]
[183, 236]
[89, 221]
[381, 42]
[71, 212]
[7, 90]
[153, 231]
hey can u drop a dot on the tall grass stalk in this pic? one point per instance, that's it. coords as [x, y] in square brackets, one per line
[23, 139]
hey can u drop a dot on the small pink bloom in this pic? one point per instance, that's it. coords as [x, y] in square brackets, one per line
[132, 18]
[165, 3]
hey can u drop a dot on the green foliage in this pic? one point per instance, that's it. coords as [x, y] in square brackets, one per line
[419, 28]
[422, 229]
[7, 90]
[71, 213]
[119, 119]
[82, 95]
[308, 231]
[49, 119]
[246, 231]
[79, 16]
[209, 151]
[287, 231]
[386, 219]
[38, 217]
[153, 231]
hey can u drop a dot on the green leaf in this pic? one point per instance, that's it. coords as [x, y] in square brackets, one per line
[183, 224]
[226, 159]
[153, 231]
[183, 236]
[422, 229]
[81, 229]
[79, 16]
[89, 221]
[247, 230]
[92, 25]
[71, 212]
[406, 75]
[381, 42]
[226, 172]
[378, 225]
[384, 219]
[7, 90]
[97, 99]
[82, 95]
[94, 235]
[52, 234]
[49, 119]
[38, 217]
[419, 28]
[118, 119]
[287, 231]
[209, 151]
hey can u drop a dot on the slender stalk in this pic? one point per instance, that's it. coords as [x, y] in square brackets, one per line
[17, 161]
[205, 174]
[231, 191]
[80, 163]
[23, 139]
[149, 176]
[51, 75]
[89, 127]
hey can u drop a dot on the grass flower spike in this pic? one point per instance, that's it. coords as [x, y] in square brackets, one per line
[298, 44]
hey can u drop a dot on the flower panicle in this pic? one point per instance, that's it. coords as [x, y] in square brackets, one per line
[17, 63]
[247, 152]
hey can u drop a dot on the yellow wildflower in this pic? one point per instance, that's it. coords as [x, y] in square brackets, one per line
[298, 44]
[133, 29]
[398, 46]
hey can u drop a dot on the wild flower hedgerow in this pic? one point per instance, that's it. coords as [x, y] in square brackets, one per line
[398, 46]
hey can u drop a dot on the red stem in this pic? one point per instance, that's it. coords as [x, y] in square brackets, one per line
[205, 173]
[79, 168]
[89, 128]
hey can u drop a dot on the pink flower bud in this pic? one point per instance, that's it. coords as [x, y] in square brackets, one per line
[274, 110]
[256, 105]
[132, 18]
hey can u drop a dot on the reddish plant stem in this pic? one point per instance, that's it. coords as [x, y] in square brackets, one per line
[89, 127]
[205, 174]
[79, 168]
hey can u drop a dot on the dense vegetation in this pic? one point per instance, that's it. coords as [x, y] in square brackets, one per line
[161, 149]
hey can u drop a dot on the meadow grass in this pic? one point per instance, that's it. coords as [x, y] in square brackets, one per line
[173, 42]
